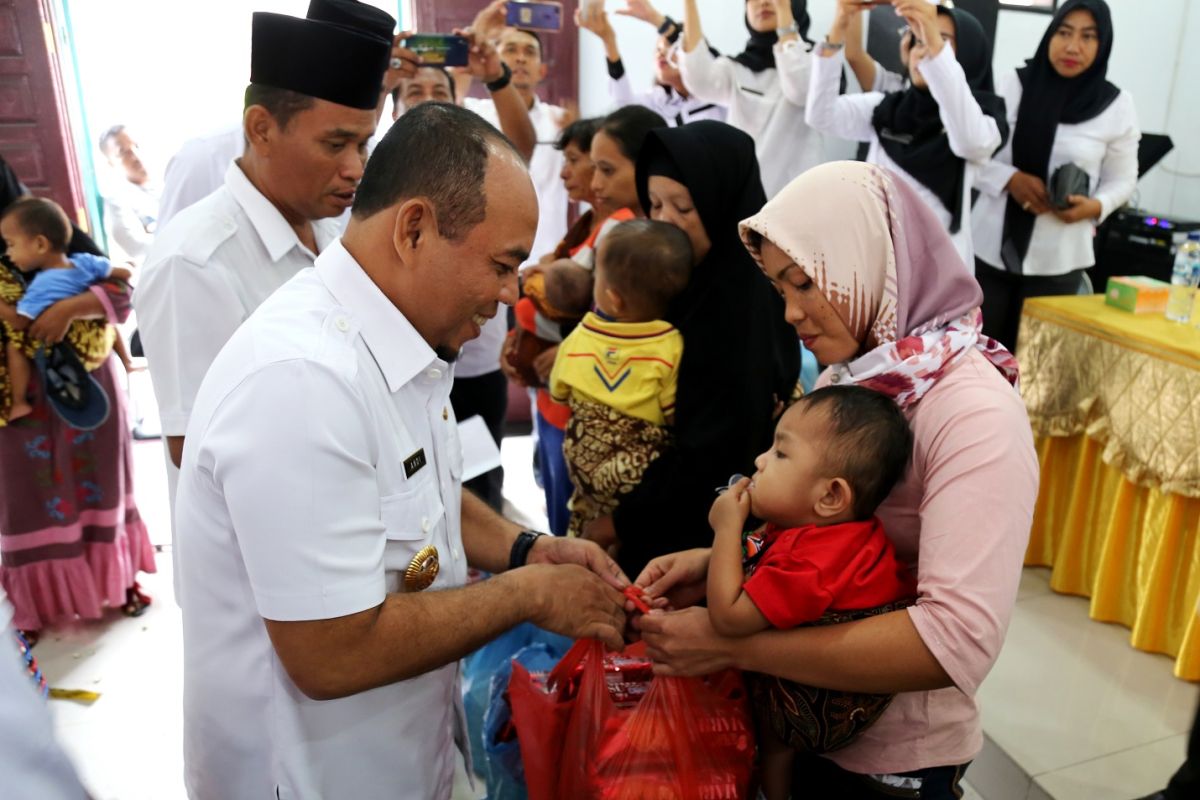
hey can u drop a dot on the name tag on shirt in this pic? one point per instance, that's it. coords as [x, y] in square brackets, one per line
[413, 463]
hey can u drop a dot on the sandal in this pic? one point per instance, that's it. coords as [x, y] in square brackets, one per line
[136, 601]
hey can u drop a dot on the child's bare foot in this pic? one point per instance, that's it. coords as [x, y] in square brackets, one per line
[19, 410]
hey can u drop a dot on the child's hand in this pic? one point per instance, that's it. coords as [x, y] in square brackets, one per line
[731, 508]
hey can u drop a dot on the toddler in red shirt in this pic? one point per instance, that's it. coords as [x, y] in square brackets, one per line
[822, 557]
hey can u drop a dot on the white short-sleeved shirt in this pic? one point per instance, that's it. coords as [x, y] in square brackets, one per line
[207, 271]
[295, 503]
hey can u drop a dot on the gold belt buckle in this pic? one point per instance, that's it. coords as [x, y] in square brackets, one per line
[422, 570]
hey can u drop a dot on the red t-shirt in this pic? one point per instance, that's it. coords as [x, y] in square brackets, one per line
[807, 571]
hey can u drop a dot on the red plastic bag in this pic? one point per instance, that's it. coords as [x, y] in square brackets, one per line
[602, 727]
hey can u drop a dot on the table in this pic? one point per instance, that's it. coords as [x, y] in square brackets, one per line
[1114, 401]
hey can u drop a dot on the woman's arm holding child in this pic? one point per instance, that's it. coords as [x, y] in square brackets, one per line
[732, 611]
[8, 314]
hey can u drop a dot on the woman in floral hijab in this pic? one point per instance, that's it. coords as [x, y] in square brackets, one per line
[874, 287]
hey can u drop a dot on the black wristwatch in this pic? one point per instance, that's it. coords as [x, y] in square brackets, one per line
[502, 81]
[521, 547]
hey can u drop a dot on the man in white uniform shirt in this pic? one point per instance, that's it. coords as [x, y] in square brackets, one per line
[323, 535]
[310, 109]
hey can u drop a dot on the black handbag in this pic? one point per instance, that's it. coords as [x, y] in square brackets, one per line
[1066, 181]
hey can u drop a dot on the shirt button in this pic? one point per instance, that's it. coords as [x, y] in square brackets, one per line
[434, 373]
[341, 324]
[424, 524]
[835, 378]
[454, 552]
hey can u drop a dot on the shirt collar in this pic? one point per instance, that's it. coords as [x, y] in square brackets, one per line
[276, 234]
[395, 344]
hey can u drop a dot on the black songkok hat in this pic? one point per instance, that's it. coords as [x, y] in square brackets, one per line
[353, 14]
[319, 59]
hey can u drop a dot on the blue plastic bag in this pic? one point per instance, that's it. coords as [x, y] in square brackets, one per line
[505, 772]
[480, 666]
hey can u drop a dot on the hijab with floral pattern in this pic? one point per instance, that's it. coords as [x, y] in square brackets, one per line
[889, 269]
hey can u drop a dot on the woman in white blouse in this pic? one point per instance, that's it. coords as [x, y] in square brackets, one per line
[937, 132]
[1063, 111]
[764, 87]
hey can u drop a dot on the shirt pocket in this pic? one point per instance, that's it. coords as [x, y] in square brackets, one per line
[411, 520]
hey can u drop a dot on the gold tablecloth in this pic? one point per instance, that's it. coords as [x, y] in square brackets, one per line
[1114, 400]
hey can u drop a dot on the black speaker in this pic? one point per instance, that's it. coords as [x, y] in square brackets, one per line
[1135, 242]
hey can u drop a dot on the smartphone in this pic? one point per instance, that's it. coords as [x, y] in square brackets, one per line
[535, 16]
[438, 49]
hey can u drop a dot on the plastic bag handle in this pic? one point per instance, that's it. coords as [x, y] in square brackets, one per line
[567, 665]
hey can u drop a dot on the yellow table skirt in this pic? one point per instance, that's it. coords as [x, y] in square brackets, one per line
[1133, 550]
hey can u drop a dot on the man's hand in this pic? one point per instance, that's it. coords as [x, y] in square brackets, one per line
[732, 506]
[921, 16]
[601, 531]
[1081, 208]
[643, 10]
[684, 642]
[566, 550]
[483, 60]
[492, 20]
[403, 64]
[680, 577]
[571, 600]
[1030, 192]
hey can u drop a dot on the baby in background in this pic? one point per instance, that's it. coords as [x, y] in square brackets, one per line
[618, 370]
[37, 232]
[822, 557]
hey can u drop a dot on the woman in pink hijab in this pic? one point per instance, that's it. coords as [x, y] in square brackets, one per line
[875, 289]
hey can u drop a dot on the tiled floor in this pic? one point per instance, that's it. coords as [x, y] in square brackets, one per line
[1070, 710]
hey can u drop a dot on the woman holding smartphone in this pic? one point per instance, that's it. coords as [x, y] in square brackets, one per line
[765, 87]
[935, 132]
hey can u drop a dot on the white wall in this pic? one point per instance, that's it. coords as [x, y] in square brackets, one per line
[1151, 60]
[169, 69]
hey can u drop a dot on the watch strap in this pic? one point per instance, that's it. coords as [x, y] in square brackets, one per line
[501, 82]
[521, 547]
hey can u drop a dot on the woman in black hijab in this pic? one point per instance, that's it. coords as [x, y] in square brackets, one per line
[1067, 120]
[739, 357]
[938, 130]
[764, 87]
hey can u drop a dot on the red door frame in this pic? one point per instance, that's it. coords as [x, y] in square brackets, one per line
[35, 129]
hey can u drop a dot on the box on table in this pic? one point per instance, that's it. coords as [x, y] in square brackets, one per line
[1138, 294]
